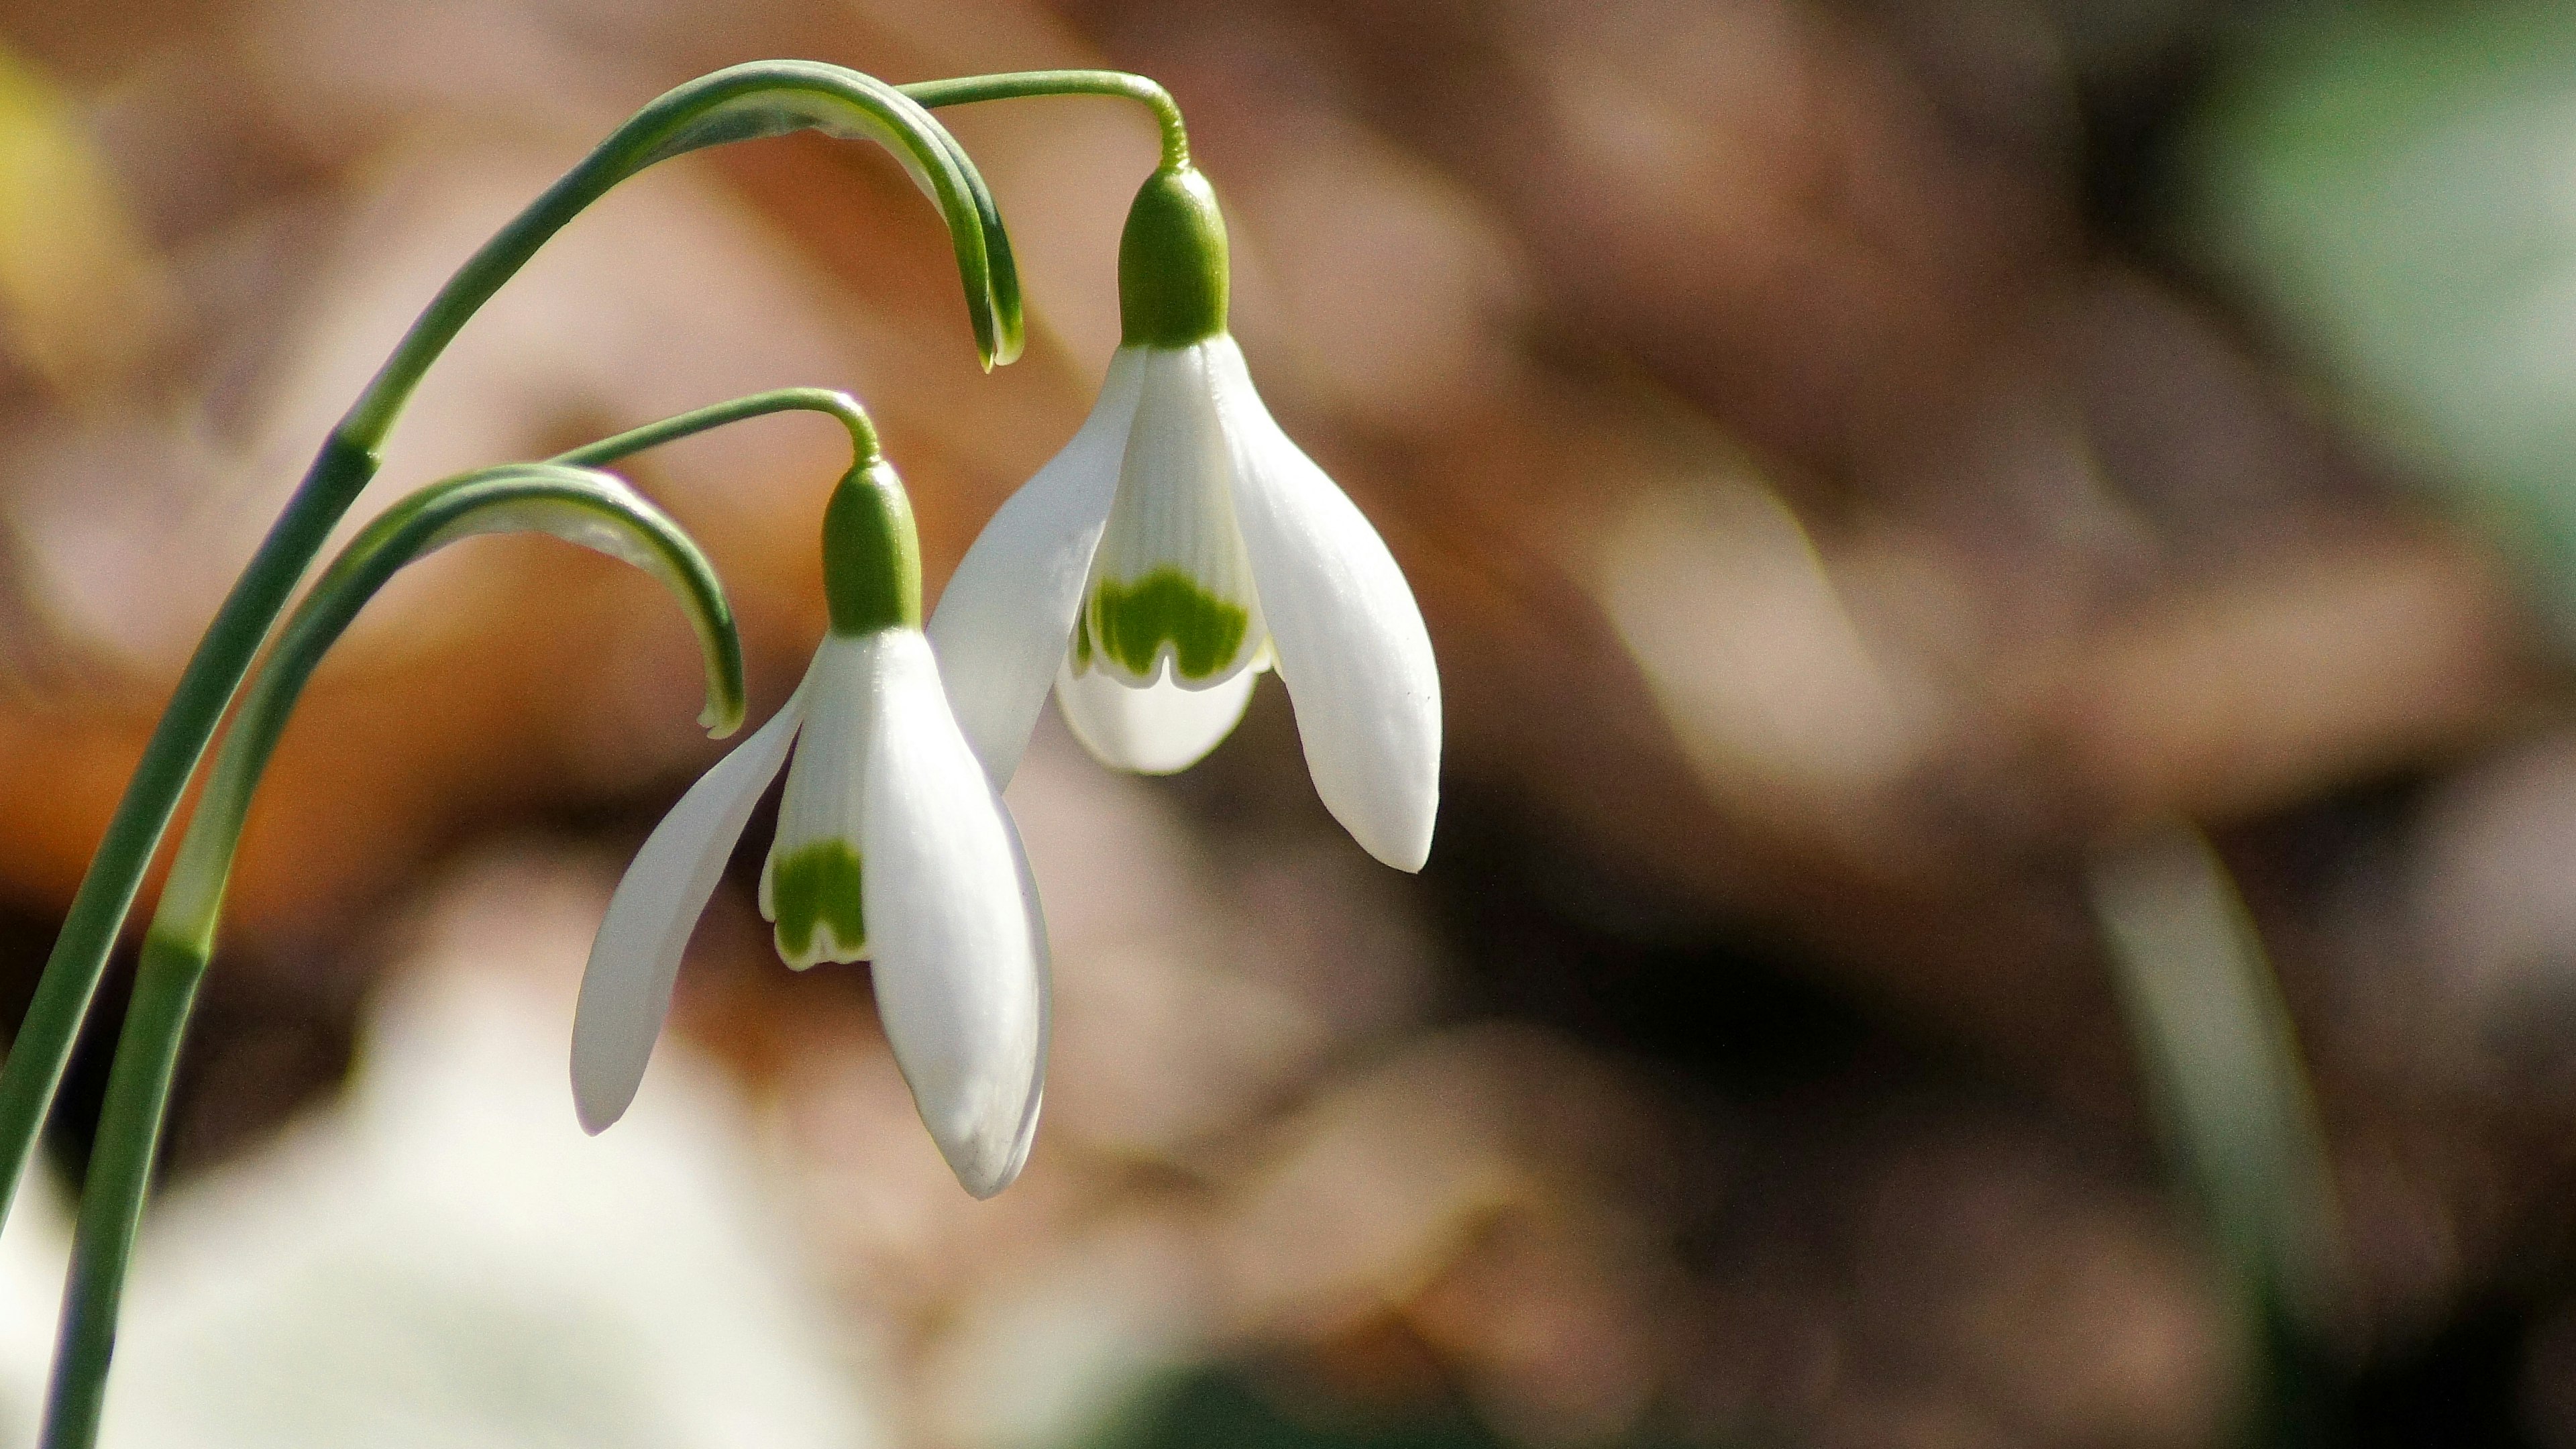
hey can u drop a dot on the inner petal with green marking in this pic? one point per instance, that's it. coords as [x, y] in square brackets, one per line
[812, 893]
[1133, 623]
[1170, 580]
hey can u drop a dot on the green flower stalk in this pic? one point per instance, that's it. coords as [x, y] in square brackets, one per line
[581, 506]
[765, 98]
[1029, 84]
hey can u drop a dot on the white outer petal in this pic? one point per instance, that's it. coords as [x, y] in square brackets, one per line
[1028, 1128]
[960, 952]
[626, 988]
[1347, 635]
[1006, 618]
[1158, 730]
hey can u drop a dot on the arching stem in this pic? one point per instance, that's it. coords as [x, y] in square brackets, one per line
[1021, 85]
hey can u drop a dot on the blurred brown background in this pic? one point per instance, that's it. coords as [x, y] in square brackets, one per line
[1865, 467]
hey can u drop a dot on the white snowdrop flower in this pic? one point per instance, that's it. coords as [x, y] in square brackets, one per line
[1179, 545]
[892, 847]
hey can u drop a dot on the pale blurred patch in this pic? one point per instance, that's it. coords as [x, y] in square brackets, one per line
[444, 1259]
[1781, 704]
[2490, 996]
[1405, 292]
[83, 299]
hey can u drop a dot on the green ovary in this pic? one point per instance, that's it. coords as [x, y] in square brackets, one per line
[818, 885]
[1132, 622]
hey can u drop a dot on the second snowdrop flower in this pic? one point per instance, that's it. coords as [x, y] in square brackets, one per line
[1179, 545]
[892, 847]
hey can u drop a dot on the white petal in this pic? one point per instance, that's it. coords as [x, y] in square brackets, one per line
[626, 989]
[1157, 730]
[1004, 620]
[961, 972]
[1349, 640]
[1170, 576]
[1027, 1132]
[826, 798]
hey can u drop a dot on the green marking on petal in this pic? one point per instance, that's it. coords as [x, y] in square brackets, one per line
[1132, 623]
[817, 886]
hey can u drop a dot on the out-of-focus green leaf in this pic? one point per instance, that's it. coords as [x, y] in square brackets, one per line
[2396, 183]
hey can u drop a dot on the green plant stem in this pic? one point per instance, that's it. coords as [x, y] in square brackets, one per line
[765, 98]
[147, 1060]
[181, 940]
[43, 1047]
[1021, 85]
[839, 406]
[2230, 1094]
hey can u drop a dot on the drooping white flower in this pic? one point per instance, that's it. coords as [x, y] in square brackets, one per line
[1180, 544]
[892, 847]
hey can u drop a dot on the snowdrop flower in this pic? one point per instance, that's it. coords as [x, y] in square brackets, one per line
[892, 846]
[1179, 545]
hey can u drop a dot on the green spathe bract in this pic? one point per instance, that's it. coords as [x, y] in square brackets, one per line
[871, 555]
[1132, 622]
[817, 884]
[1172, 262]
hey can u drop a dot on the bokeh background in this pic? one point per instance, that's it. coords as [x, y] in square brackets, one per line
[1947, 524]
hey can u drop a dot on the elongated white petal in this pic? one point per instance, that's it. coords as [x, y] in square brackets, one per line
[1171, 593]
[1349, 639]
[1027, 1132]
[1003, 623]
[1158, 730]
[960, 952]
[809, 885]
[626, 989]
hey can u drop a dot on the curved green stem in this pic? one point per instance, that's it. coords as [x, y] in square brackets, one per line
[744, 102]
[1019, 85]
[587, 508]
[839, 406]
[762, 99]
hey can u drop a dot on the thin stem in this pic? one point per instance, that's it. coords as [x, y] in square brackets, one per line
[121, 1161]
[1019, 85]
[765, 98]
[838, 405]
[181, 940]
[34, 1069]
[2232, 1102]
